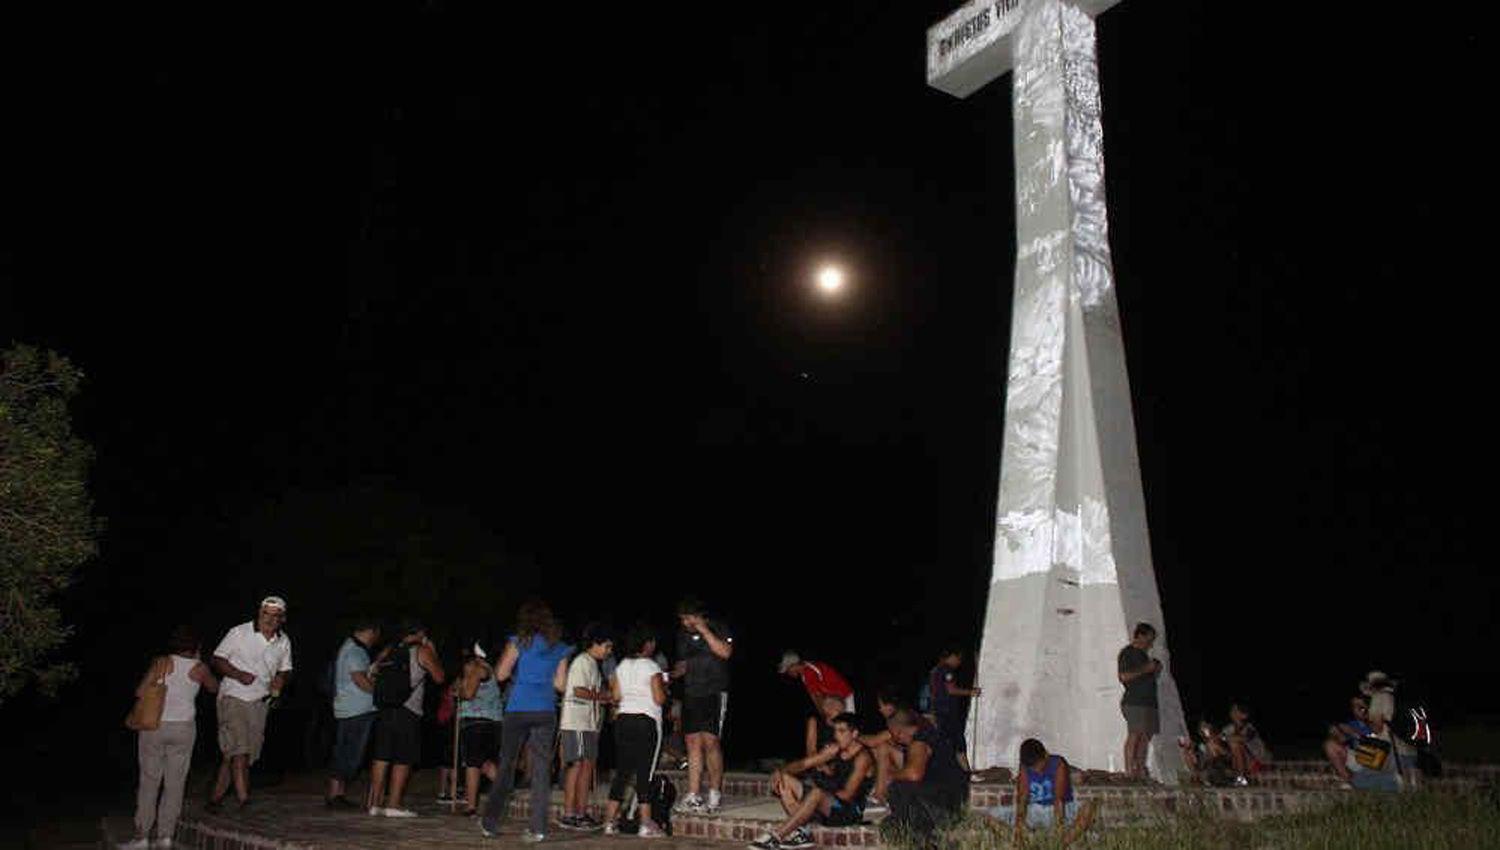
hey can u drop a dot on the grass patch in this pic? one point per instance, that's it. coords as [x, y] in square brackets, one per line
[1364, 821]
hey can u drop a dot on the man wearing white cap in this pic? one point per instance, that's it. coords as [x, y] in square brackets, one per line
[254, 660]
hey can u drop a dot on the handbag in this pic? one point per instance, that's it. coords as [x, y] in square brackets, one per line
[145, 715]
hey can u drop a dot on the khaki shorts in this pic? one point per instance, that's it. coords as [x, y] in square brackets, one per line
[242, 727]
[1141, 718]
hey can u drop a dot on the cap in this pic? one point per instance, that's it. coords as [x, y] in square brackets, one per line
[787, 660]
[273, 602]
[1376, 681]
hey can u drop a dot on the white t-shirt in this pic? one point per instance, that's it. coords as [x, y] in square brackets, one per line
[247, 649]
[635, 675]
[578, 714]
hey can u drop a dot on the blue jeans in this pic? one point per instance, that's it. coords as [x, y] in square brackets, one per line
[538, 731]
[350, 737]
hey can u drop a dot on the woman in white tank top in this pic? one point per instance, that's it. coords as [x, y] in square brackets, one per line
[639, 688]
[166, 752]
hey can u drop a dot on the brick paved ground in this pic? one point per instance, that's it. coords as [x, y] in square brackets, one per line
[291, 816]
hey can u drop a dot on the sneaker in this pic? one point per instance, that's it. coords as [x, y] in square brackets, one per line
[874, 805]
[649, 830]
[714, 798]
[611, 828]
[590, 822]
[1344, 786]
[574, 822]
[1241, 782]
[529, 837]
[398, 813]
[376, 811]
[490, 828]
[766, 841]
[691, 804]
[139, 843]
[800, 839]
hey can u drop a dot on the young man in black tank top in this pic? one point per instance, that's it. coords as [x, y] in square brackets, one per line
[836, 798]
[930, 787]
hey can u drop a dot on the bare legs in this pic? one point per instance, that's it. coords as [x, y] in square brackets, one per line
[1081, 824]
[704, 751]
[471, 783]
[1137, 744]
[799, 809]
[576, 784]
[399, 773]
[1338, 756]
[1239, 755]
[237, 766]
[888, 760]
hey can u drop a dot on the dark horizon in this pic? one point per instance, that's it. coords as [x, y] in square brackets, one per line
[425, 286]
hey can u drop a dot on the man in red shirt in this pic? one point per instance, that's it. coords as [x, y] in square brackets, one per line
[819, 678]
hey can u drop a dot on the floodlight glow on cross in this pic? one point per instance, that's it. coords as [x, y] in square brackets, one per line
[830, 279]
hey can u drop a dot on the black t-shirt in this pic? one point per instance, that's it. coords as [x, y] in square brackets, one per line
[1141, 690]
[707, 674]
[942, 767]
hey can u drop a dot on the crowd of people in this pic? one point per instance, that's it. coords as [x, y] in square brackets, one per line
[550, 700]
[541, 696]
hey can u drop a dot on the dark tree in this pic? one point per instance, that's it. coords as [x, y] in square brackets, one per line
[47, 527]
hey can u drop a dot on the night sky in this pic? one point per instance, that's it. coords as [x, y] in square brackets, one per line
[519, 300]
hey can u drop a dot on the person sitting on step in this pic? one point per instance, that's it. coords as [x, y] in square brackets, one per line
[1247, 748]
[1044, 797]
[1343, 736]
[835, 798]
[930, 789]
[1208, 758]
[890, 756]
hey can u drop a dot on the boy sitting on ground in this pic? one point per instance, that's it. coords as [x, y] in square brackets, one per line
[1247, 749]
[835, 798]
[1343, 736]
[1209, 759]
[1044, 797]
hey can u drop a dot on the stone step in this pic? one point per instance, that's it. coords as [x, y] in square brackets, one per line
[1451, 770]
[743, 818]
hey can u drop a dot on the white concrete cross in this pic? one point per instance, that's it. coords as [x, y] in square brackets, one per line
[1072, 569]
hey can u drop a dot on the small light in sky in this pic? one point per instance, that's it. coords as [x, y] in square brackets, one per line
[830, 279]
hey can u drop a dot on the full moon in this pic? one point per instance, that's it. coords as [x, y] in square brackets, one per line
[830, 279]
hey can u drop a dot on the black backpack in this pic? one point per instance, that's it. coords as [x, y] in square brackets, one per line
[393, 682]
[662, 795]
[326, 684]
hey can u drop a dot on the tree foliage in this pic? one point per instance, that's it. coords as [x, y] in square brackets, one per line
[47, 526]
